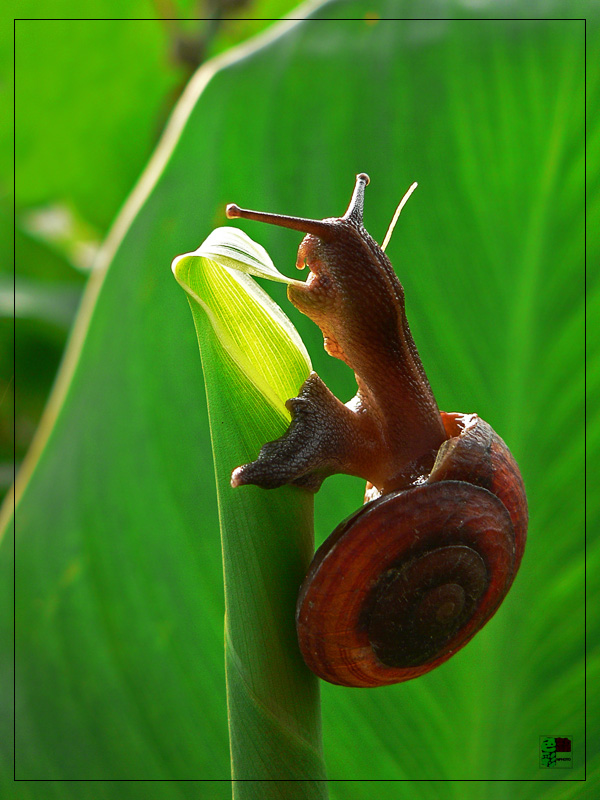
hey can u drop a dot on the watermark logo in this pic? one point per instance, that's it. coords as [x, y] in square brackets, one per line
[556, 752]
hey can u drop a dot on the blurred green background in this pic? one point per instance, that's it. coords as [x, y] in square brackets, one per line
[92, 99]
[119, 603]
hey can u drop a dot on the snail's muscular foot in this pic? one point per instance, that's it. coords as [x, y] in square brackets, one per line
[324, 437]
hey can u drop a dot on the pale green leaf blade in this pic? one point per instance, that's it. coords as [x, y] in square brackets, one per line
[235, 250]
[253, 330]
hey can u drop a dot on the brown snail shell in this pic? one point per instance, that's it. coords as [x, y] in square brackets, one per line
[410, 578]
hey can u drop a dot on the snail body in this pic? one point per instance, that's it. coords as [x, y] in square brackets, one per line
[409, 578]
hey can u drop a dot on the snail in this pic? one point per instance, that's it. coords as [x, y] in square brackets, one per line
[409, 578]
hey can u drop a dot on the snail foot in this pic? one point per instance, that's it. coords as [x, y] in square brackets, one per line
[313, 447]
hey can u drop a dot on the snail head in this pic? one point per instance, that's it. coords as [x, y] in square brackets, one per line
[352, 292]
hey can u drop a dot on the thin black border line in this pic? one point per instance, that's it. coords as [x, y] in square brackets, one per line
[302, 780]
[14, 399]
[557, 779]
[585, 732]
[303, 19]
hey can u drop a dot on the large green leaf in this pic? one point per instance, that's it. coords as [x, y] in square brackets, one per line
[119, 587]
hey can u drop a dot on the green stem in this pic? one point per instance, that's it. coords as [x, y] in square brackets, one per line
[267, 539]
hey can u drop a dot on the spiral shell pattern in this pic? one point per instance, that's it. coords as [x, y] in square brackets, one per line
[410, 578]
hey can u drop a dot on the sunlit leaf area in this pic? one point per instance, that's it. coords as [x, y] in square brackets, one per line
[131, 137]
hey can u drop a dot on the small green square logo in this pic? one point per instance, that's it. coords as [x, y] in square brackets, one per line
[556, 752]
